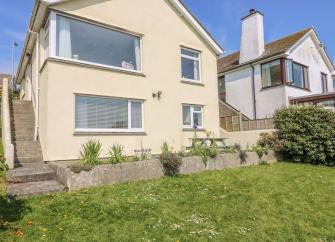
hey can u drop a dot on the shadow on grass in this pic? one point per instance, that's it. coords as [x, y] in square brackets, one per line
[11, 210]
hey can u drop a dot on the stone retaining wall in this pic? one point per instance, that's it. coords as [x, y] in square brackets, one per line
[146, 170]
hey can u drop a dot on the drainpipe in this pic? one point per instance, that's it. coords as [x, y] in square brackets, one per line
[37, 100]
[253, 90]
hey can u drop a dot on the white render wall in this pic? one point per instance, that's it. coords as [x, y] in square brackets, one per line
[239, 83]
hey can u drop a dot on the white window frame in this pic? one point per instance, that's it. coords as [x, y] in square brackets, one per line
[192, 111]
[129, 130]
[53, 42]
[46, 35]
[190, 58]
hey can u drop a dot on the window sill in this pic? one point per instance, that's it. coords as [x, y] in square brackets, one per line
[92, 65]
[270, 87]
[83, 133]
[193, 130]
[196, 83]
[300, 88]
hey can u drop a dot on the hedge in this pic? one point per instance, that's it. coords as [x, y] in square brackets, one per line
[307, 134]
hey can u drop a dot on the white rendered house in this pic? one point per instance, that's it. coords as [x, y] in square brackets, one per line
[262, 78]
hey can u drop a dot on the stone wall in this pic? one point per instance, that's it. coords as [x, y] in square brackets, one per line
[146, 170]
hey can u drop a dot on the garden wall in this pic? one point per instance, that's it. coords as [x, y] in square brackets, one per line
[146, 170]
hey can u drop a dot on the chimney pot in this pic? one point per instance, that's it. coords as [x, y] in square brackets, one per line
[251, 11]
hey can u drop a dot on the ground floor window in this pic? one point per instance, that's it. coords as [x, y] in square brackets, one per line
[192, 116]
[102, 114]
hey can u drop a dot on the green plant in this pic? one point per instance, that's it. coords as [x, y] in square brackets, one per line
[269, 141]
[116, 154]
[171, 161]
[260, 150]
[243, 154]
[90, 152]
[306, 134]
[3, 166]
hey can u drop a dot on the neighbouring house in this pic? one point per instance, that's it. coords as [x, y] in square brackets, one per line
[261, 78]
[134, 73]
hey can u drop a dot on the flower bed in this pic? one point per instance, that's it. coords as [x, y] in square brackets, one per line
[146, 170]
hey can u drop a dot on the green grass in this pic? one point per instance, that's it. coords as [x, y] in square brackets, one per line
[279, 202]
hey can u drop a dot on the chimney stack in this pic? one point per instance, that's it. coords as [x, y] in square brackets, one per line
[252, 38]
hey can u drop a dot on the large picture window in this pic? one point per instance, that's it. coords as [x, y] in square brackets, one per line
[82, 41]
[272, 74]
[190, 64]
[192, 116]
[99, 114]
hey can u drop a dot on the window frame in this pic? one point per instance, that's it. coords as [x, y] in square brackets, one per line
[192, 106]
[53, 41]
[305, 79]
[284, 81]
[190, 58]
[102, 130]
[281, 70]
[324, 85]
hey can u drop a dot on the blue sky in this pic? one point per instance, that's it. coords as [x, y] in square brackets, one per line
[221, 17]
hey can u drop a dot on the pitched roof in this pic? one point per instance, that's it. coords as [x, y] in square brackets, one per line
[274, 48]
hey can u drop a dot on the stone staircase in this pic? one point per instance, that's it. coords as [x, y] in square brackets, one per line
[31, 175]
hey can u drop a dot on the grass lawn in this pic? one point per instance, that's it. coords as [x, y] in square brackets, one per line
[279, 202]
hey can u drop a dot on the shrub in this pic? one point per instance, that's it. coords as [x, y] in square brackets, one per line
[171, 161]
[3, 166]
[307, 134]
[259, 150]
[79, 167]
[90, 152]
[270, 141]
[116, 154]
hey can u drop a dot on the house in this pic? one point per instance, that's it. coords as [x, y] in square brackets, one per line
[134, 73]
[261, 78]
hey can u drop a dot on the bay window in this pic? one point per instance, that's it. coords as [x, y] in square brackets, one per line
[101, 114]
[272, 73]
[190, 65]
[285, 71]
[91, 43]
[192, 116]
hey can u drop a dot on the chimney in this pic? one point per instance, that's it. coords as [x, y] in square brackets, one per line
[252, 38]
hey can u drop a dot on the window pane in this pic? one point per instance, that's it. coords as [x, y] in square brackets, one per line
[271, 74]
[324, 83]
[306, 75]
[87, 42]
[298, 75]
[190, 69]
[187, 115]
[334, 84]
[289, 72]
[136, 115]
[189, 53]
[197, 119]
[101, 113]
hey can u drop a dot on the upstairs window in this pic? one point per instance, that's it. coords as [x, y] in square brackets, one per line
[272, 73]
[190, 65]
[192, 116]
[91, 43]
[333, 83]
[100, 114]
[324, 82]
[300, 76]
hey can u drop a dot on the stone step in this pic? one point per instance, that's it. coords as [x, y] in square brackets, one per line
[29, 165]
[29, 159]
[22, 138]
[31, 174]
[23, 190]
